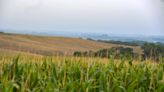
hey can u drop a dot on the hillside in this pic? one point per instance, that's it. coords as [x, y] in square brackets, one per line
[45, 45]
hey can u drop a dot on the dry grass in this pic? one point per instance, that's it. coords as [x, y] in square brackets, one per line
[52, 45]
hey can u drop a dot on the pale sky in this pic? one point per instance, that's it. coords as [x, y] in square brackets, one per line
[144, 17]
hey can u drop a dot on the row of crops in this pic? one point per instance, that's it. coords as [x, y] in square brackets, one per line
[70, 74]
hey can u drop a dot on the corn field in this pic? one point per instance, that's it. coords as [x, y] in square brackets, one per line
[72, 74]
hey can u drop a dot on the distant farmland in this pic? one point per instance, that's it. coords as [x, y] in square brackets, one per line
[45, 45]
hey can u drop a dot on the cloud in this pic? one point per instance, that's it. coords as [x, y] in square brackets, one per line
[83, 14]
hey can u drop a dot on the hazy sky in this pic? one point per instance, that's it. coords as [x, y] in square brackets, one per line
[104, 16]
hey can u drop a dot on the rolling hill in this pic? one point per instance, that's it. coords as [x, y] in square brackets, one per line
[45, 45]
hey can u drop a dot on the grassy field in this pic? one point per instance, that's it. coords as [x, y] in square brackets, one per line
[35, 73]
[45, 45]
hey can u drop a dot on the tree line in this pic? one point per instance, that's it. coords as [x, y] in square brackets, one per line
[154, 51]
[115, 52]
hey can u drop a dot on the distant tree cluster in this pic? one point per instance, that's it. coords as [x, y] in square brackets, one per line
[153, 51]
[129, 43]
[115, 52]
[133, 43]
[1, 32]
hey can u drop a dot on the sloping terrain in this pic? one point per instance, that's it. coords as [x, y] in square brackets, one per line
[45, 45]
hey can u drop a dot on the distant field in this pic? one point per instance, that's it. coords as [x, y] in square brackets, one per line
[45, 45]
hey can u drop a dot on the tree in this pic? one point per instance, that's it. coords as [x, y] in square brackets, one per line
[153, 51]
[77, 53]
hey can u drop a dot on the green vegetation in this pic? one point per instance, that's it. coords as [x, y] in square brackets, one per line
[115, 52]
[133, 43]
[73, 74]
[153, 51]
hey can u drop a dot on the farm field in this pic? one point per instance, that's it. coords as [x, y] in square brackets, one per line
[36, 73]
[50, 46]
